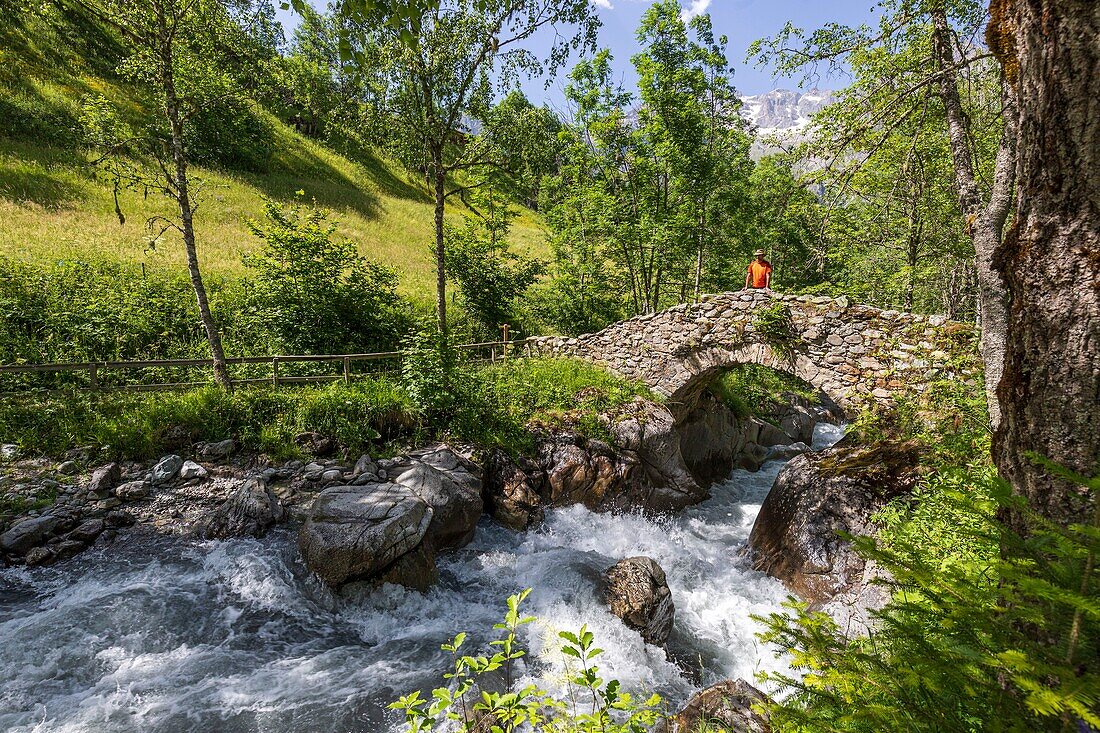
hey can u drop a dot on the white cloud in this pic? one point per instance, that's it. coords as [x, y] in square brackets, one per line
[603, 4]
[697, 7]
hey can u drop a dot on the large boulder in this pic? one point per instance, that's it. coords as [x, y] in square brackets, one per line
[817, 497]
[166, 469]
[392, 530]
[30, 533]
[651, 433]
[451, 486]
[250, 510]
[358, 532]
[726, 707]
[638, 593]
[641, 468]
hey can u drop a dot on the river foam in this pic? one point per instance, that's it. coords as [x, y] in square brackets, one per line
[160, 635]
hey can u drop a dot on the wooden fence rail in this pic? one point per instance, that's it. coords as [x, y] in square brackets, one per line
[494, 349]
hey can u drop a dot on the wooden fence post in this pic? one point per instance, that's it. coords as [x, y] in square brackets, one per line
[275, 371]
[93, 375]
[347, 370]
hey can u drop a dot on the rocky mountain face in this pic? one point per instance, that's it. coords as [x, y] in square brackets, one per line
[783, 110]
[782, 115]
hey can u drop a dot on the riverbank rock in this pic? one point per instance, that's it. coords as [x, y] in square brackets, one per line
[357, 532]
[250, 510]
[816, 497]
[166, 469]
[217, 451]
[638, 593]
[392, 530]
[104, 479]
[726, 707]
[642, 468]
[511, 491]
[315, 444]
[30, 533]
[650, 432]
[450, 485]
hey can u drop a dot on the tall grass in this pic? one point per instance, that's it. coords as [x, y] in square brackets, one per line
[496, 406]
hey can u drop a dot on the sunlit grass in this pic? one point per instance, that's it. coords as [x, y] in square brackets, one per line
[52, 207]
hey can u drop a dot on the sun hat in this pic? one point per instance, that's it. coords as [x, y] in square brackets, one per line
[759, 253]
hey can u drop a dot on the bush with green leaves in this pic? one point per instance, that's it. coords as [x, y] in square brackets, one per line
[430, 372]
[491, 277]
[753, 389]
[315, 293]
[468, 703]
[73, 311]
[987, 630]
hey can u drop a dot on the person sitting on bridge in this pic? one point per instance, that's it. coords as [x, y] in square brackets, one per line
[760, 272]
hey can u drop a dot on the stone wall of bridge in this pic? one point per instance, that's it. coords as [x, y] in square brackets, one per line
[855, 354]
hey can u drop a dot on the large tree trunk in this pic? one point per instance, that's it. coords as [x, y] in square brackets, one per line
[985, 224]
[1050, 392]
[186, 211]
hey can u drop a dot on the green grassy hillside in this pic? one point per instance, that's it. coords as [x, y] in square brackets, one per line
[53, 207]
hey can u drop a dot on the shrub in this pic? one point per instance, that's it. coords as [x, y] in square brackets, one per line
[590, 704]
[93, 311]
[506, 398]
[490, 276]
[316, 294]
[230, 133]
[774, 326]
[752, 389]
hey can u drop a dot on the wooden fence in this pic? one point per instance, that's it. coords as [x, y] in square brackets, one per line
[489, 351]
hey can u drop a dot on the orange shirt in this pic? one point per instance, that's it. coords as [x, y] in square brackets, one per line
[758, 273]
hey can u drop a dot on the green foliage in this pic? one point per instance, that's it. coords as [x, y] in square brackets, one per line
[491, 277]
[751, 389]
[893, 233]
[432, 375]
[468, 704]
[316, 294]
[999, 634]
[263, 419]
[226, 131]
[950, 419]
[15, 505]
[93, 311]
[509, 397]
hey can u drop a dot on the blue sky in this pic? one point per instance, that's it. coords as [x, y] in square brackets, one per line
[742, 21]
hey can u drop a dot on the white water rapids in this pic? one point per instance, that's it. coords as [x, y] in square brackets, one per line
[164, 635]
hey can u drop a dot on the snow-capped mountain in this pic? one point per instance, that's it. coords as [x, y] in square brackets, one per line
[781, 115]
[783, 109]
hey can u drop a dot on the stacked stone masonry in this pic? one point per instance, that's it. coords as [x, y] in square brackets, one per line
[855, 354]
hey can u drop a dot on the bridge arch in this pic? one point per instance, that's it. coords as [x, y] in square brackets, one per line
[690, 375]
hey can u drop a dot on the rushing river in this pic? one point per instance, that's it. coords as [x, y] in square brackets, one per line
[162, 635]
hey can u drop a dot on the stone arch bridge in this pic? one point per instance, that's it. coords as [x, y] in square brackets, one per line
[856, 354]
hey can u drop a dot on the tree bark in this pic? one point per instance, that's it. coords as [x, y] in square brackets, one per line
[186, 211]
[985, 224]
[1050, 258]
[440, 250]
